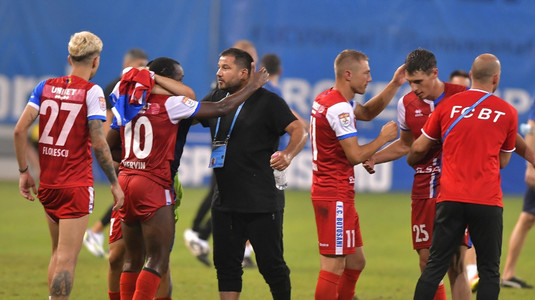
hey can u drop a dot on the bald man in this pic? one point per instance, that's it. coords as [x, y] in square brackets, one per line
[478, 132]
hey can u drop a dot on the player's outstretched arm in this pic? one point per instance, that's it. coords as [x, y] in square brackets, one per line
[231, 102]
[357, 154]
[20, 136]
[393, 151]
[103, 155]
[377, 104]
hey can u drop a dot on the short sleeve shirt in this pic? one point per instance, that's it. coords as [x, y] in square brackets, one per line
[65, 105]
[412, 115]
[332, 119]
[245, 182]
[149, 139]
[471, 164]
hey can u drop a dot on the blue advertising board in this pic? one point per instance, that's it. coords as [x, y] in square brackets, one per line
[306, 35]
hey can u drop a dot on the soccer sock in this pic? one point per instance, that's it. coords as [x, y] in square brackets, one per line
[147, 284]
[326, 288]
[128, 285]
[114, 295]
[471, 271]
[346, 285]
[248, 251]
[441, 292]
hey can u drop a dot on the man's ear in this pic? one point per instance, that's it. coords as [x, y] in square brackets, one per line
[244, 73]
[347, 75]
[96, 61]
[434, 72]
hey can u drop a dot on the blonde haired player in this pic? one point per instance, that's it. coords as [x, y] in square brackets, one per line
[71, 111]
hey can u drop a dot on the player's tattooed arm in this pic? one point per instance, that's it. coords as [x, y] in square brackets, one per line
[101, 149]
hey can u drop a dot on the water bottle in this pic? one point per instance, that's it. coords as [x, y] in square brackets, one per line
[280, 176]
[280, 179]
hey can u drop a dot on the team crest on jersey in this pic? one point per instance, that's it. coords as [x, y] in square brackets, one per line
[418, 113]
[102, 103]
[189, 102]
[345, 119]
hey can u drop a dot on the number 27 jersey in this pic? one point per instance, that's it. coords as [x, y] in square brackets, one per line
[65, 105]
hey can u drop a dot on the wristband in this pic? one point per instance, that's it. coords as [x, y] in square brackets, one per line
[24, 170]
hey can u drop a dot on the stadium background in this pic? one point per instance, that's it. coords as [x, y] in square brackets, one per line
[307, 35]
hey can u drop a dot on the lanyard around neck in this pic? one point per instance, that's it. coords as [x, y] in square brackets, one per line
[231, 125]
[467, 111]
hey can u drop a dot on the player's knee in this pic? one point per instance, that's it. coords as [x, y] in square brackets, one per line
[530, 220]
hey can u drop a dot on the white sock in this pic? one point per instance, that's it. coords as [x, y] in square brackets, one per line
[248, 251]
[471, 271]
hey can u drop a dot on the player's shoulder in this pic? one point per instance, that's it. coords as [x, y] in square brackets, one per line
[409, 99]
[330, 97]
[452, 89]
[215, 95]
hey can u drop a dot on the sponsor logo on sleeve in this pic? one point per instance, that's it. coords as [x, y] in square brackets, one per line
[345, 119]
[189, 102]
[102, 103]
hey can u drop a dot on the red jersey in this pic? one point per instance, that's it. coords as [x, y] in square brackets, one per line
[65, 105]
[471, 163]
[332, 119]
[413, 112]
[149, 139]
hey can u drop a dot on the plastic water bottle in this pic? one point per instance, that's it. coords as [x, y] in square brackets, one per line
[280, 179]
[280, 176]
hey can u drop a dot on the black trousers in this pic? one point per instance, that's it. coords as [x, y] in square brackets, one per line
[485, 225]
[202, 223]
[264, 230]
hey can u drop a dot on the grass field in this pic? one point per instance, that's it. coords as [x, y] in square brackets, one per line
[391, 271]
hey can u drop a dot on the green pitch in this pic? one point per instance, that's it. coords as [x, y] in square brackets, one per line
[391, 271]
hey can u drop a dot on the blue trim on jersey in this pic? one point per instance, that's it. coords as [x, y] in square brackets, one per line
[345, 136]
[403, 129]
[439, 98]
[35, 97]
[97, 117]
[196, 110]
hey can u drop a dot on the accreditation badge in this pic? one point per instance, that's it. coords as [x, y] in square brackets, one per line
[217, 159]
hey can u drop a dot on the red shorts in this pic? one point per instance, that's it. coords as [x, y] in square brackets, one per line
[67, 203]
[422, 220]
[115, 226]
[338, 227]
[142, 198]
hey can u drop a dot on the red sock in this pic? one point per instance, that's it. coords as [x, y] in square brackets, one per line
[127, 285]
[146, 285]
[441, 292]
[346, 285]
[114, 295]
[327, 285]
